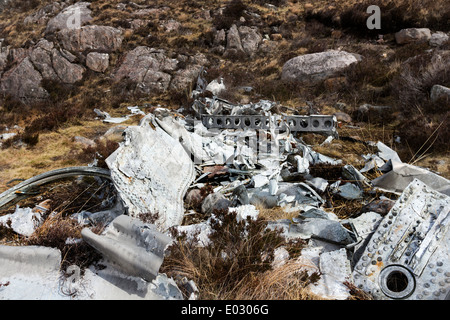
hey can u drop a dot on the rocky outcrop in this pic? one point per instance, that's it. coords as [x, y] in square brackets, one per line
[147, 67]
[43, 15]
[234, 40]
[23, 82]
[250, 39]
[73, 17]
[316, 67]
[91, 38]
[97, 62]
[184, 78]
[52, 65]
[409, 35]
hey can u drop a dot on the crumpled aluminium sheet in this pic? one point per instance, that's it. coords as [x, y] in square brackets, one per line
[152, 171]
[29, 272]
[133, 252]
[138, 248]
[33, 273]
[402, 174]
[399, 175]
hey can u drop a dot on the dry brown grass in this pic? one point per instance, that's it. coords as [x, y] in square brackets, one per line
[54, 150]
[287, 282]
[275, 213]
[54, 233]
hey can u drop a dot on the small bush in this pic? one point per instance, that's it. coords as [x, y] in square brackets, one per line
[238, 250]
[413, 85]
[426, 134]
[100, 152]
[54, 233]
[232, 12]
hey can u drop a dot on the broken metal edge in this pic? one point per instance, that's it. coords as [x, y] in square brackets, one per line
[17, 192]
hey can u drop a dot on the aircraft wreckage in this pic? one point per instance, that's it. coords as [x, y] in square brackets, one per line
[401, 255]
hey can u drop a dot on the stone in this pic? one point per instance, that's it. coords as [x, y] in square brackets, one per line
[97, 62]
[171, 25]
[234, 40]
[184, 78]
[342, 116]
[220, 37]
[215, 201]
[72, 17]
[92, 38]
[439, 92]
[23, 82]
[250, 39]
[438, 38]
[68, 72]
[242, 40]
[193, 197]
[149, 68]
[316, 67]
[42, 16]
[53, 65]
[409, 35]
[85, 142]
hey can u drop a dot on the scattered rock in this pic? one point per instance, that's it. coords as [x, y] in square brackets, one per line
[184, 78]
[138, 23]
[439, 92]
[409, 35]
[72, 17]
[234, 44]
[250, 39]
[214, 201]
[342, 116]
[4, 53]
[84, 141]
[220, 37]
[171, 25]
[98, 62]
[316, 67]
[438, 38]
[193, 197]
[242, 40]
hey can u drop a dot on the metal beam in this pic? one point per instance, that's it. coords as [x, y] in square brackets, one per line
[313, 123]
